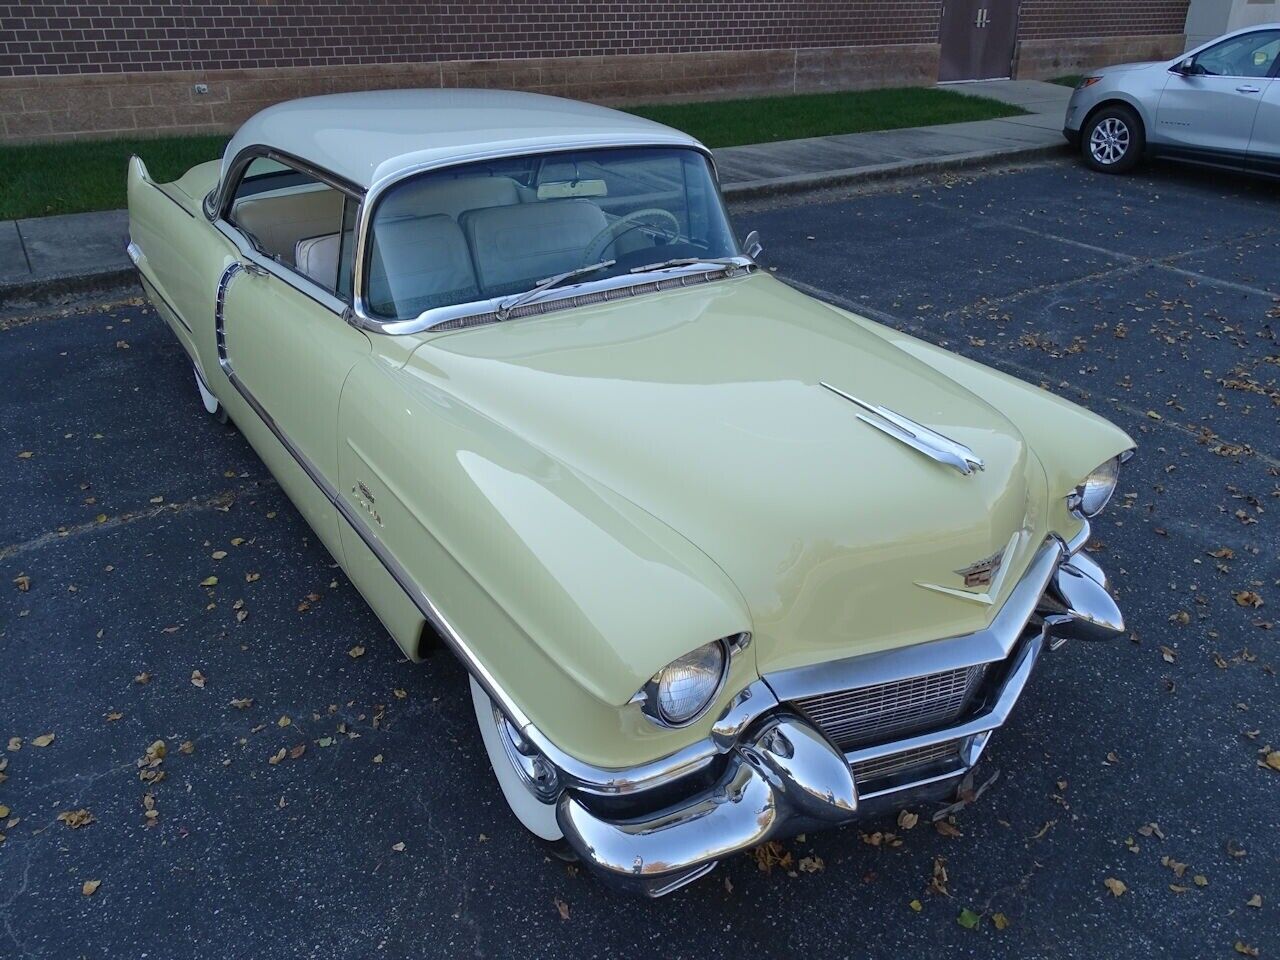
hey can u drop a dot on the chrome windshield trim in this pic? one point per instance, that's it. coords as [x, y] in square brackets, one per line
[360, 315]
[488, 311]
[887, 666]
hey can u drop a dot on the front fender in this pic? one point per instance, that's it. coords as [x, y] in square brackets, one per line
[569, 595]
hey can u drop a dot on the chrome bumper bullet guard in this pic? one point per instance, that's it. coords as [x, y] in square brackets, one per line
[782, 776]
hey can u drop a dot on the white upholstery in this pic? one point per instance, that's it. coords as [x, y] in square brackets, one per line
[428, 196]
[279, 218]
[418, 263]
[514, 245]
[317, 258]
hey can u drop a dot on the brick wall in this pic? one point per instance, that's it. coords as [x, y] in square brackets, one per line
[57, 39]
[1058, 38]
[128, 69]
[1087, 19]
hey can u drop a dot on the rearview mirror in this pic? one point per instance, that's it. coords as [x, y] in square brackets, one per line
[1186, 67]
[751, 245]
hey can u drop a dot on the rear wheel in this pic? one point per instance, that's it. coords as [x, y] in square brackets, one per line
[1112, 141]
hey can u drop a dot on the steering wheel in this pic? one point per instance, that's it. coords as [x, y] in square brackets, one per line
[635, 220]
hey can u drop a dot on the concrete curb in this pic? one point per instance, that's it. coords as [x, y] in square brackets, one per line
[899, 169]
[54, 290]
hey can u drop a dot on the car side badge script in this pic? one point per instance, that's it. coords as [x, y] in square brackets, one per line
[915, 435]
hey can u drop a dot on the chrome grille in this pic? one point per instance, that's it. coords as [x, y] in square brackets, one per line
[876, 713]
[881, 767]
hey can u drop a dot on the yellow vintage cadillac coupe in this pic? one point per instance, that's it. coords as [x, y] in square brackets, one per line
[724, 563]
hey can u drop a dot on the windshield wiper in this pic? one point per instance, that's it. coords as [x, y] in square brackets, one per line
[505, 308]
[688, 261]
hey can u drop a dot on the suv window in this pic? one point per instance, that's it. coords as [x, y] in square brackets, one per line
[298, 221]
[1249, 55]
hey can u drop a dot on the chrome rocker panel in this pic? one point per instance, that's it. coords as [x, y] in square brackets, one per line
[783, 776]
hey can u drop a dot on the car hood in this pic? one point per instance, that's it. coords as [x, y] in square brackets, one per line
[704, 407]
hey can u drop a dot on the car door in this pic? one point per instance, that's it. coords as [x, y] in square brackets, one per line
[1264, 146]
[1208, 107]
[282, 337]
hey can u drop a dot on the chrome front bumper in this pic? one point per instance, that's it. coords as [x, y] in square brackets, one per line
[782, 776]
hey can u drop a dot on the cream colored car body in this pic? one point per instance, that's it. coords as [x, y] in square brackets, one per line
[584, 496]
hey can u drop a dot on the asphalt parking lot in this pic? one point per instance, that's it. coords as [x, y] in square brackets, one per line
[1154, 300]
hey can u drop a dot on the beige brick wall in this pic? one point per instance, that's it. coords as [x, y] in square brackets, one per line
[1044, 59]
[158, 103]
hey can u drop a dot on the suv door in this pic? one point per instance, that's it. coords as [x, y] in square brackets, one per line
[1207, 109]
[1264, 147]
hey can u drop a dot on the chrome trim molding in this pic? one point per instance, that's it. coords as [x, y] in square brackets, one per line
[917, 436]
[460, 316]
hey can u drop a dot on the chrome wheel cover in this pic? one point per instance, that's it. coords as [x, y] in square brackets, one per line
[1109, 141]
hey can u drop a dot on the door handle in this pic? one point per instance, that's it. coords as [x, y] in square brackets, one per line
[1247, 88]
[983, 18]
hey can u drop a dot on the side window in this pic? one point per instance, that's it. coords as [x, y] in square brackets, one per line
[298, 221]
[1250, 55]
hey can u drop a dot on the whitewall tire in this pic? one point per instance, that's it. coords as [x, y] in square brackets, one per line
[537, 817]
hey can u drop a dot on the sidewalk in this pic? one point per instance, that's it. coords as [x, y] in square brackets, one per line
[80, 253]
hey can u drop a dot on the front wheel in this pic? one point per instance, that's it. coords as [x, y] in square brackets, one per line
[1112, 141]
[518, 773]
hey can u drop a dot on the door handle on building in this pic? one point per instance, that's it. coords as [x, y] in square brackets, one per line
[983, 18]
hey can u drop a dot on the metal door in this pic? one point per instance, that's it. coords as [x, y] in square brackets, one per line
[1264, 147]
[977, 39]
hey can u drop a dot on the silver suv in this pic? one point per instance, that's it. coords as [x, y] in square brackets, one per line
[1218, 104]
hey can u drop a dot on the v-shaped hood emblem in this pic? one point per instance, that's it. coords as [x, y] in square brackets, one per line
[915, 435]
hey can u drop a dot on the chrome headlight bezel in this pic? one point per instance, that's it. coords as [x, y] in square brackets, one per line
[650, 696]
[1094, 492]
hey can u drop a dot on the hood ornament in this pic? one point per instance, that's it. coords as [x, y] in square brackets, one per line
[988, 572]
[915, 435]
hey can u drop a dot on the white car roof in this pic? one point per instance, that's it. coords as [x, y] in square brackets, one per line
[372, 135]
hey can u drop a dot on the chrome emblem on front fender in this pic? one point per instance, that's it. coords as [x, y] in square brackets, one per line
[979, 574]
[989, 572]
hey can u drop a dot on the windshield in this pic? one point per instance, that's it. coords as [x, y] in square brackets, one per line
[501, 227]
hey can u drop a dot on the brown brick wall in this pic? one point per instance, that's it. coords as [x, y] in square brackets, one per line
[132, 104]
[49, 39]
[115, 69]
[1071, 19]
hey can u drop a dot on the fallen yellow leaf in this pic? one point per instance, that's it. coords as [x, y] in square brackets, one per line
[1116, 887]
[90, 887]
[43, 740]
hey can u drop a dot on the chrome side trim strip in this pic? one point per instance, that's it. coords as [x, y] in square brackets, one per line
[991, 644]
[583, 776]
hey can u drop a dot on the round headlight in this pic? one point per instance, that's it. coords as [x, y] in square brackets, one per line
[1092, 495]
[685, 687]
